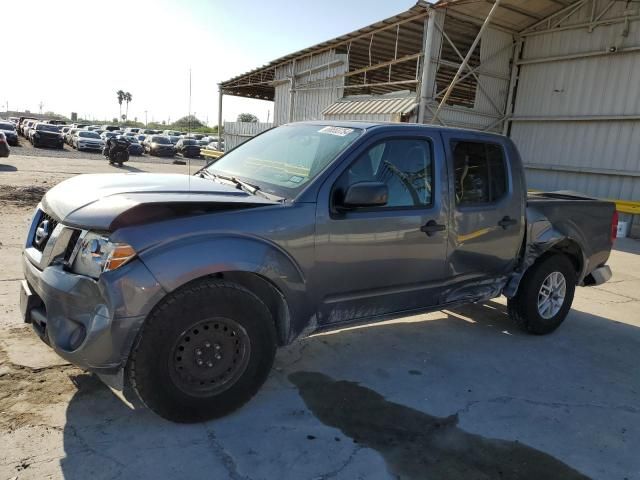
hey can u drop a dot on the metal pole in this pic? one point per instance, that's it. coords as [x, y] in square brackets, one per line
[512, 85]
[219, 114]
[425, 88]
[464, 63]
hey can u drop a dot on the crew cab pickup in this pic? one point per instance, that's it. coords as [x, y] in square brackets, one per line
[182, 287]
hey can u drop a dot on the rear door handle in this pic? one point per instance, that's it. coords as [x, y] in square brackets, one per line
[507, 222]
[431, 227]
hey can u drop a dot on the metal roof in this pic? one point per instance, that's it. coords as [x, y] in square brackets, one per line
[372, 105]
[512, 15]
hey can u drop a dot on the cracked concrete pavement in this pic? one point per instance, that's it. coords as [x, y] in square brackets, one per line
[446, 385]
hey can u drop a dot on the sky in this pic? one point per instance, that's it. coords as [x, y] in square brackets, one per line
[73, 55]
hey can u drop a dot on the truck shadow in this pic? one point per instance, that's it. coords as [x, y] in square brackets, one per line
[457, 394]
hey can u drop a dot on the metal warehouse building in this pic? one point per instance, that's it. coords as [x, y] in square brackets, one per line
[560, 77]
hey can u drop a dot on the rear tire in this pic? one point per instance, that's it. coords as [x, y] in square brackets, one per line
[534, 310]
[203, 352]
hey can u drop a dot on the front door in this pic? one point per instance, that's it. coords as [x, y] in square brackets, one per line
[381, 260]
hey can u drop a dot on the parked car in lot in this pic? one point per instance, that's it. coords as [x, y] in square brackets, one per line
[28, 125]
[159, 145]
[46, 135]
[135, 148]
[111, 128]
[5, 150]
[68, 136]
[188, 147]
[171, 133]
[106, 135]
[87, 140]
[22, 124]
[10, 133]
[173, 138]
[134, 130]
[307, 227]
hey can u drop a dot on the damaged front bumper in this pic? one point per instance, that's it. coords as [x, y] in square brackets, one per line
[91, 323]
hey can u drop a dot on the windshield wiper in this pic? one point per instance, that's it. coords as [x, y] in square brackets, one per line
[242, 185]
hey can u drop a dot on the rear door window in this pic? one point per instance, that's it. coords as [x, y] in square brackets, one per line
[480, 172]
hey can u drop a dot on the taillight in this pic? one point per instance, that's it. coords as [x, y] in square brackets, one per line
[614, 225]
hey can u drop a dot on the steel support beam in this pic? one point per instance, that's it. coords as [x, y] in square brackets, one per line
[427, 65]
[464, 63]
[512, 85]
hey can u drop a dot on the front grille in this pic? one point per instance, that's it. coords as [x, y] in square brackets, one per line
[75, 236]
[52, 224]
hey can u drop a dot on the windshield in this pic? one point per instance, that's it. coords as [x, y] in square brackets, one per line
[283, 160]
[160, 140]
[6, 126]
[43, 127]
[188, 142]
[88, 134]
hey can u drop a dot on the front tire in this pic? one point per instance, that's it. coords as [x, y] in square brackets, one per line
[545, 295]
[203, 352]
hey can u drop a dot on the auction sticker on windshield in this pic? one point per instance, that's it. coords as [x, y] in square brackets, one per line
[339, 131]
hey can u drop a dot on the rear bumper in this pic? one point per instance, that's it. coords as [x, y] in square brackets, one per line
[91, 323]
[599, 276]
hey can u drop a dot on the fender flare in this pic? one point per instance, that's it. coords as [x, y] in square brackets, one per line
[182, 260]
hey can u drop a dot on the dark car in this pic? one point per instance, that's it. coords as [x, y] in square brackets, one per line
[46, 135]
[110, 128]
[174, 138]
[188, 147]
[9, 130]
[4, 146]
[134, 148]
[159, 145]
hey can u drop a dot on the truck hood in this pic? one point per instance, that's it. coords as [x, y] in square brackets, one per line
[110, 201]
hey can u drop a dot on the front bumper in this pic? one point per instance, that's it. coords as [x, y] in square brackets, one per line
[91, 323]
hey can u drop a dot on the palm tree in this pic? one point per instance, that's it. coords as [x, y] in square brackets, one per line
[120, 95]
[127, 98]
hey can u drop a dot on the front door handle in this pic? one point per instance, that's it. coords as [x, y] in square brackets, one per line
[431, 227]
[507, 222]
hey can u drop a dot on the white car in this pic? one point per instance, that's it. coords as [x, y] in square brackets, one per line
[87, 140]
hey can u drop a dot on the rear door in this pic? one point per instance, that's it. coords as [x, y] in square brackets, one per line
[488, 205]
[377, 261]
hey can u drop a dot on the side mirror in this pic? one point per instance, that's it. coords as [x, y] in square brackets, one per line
[366, 194]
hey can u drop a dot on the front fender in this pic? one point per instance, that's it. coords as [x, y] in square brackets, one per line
[178, 262]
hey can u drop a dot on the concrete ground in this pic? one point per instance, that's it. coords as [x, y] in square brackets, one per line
[453, 394]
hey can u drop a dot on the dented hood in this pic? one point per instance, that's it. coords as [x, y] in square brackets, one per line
[111, 201]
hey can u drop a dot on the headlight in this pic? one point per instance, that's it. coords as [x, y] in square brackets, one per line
[98, 254]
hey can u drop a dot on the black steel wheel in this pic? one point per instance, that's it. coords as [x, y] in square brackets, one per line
[203, 352]
[210, 356]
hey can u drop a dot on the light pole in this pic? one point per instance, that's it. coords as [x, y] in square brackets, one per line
[146, 124]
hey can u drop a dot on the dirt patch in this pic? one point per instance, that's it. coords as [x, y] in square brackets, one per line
[27, 196]
[25, 392]
[417, 445]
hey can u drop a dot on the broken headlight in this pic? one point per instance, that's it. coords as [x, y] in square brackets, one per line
[98, 254]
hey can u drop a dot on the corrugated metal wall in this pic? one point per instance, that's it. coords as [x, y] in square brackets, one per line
[309, 72]
[596, 157]
[236, 133]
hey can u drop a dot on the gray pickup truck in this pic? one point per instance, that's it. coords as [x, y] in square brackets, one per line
[182, 287]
